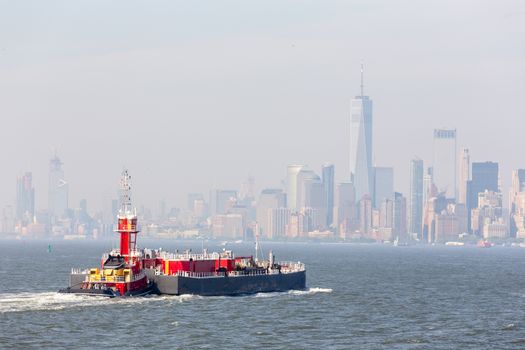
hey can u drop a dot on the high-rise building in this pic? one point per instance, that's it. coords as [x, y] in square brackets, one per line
[361, 169]
[221, 201]
[345, 210]
[464, 175]
[328, 183]
[58, 190]
[487, 218]
[400, 215]
[485, 176]
[416, 197]
[270, 198]
[304, 178]
[429, 189]
[278, 219]
[25, 198]
[445, 161]
[192, 197]
[383, 185]
[517, 204]
[365, 215]
[291, 185]
[311, 199]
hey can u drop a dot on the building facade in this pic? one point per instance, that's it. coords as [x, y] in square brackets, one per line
[445, 160]
[416, 197]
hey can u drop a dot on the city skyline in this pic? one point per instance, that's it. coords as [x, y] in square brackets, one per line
[192, 118]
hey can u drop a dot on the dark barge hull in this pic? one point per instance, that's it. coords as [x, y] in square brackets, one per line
[228, 285]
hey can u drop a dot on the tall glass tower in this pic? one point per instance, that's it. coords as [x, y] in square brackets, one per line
[25, 197]
[361, 170]
[445, 161]
[416, 196]
[58, 189]
[328, 183]
[291, 185]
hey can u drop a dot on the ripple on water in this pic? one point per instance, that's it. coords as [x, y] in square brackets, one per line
[53, 301]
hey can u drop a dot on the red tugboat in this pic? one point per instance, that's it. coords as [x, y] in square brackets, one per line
[121, 272]
[131, 272]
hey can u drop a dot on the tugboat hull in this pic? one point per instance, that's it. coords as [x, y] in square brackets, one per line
[109, 293]
[77, 280]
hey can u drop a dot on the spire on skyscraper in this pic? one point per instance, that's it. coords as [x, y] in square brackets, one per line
[362, 80]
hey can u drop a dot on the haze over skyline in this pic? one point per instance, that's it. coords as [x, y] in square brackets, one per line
[191, 97]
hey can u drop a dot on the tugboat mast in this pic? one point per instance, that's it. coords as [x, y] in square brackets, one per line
[127, 219]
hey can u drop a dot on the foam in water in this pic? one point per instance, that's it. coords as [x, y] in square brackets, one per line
[309, 291]
[51, 301]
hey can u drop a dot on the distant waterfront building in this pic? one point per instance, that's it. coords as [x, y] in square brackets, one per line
[464, 175]
[429, 189]
[229, 226]
[25, 198]
[269, 199]
[58, 190]
[487, 218]
[386, 214]
[246, 192]
[278, 220]
[444, 220]
[361, 169]
[310, 198]
[400, 215]
[192, 197]
[445, 160]
[517, 204]
[365, 216]
[291, 185]
[345, 210]
[221, 201]
[434, 205]
[328, 183]
[383, 185]
[485, 176]
[416, 197]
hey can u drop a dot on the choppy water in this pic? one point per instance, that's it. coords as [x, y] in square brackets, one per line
[358, 296]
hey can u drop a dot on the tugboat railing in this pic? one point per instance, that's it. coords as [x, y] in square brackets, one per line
[287, 267]
[102, 278]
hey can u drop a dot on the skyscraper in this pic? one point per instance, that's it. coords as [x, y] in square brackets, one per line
[328, 183]
[221, 200]
[269, 199]
[400, 215]
[311, 198]
[485, 176]
[345, 210]
[445, 161]
[517, 204]
[383, 185]
[58, 190]
[464, 175]
[25, 198]
[361, 170]
[291, 185]
[416, 196]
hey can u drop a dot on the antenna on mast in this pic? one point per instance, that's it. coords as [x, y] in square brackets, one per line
[256, 241]
[125, 193]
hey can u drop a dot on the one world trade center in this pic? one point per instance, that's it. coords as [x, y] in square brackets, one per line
[361, 168]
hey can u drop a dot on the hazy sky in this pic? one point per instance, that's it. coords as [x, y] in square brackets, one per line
[194, 94]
